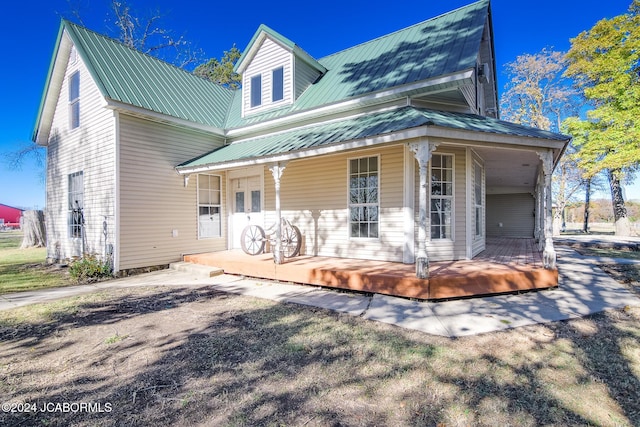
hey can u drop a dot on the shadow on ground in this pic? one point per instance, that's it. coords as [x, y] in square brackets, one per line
[185, 356]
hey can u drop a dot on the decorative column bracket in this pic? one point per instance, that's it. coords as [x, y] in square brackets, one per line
[277, 170]
[549, 253]
[422, 151]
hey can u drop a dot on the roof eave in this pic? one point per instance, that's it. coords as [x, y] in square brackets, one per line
[308, 152]
[39, 135]
[121, 106]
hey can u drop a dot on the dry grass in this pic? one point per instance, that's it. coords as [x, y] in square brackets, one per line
[196, 356]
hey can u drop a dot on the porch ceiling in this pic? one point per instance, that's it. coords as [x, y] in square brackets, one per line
[509, 170]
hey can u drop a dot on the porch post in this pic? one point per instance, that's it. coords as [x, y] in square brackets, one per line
[549, 253]
[277, 170]
[537, 232]
[422, 151]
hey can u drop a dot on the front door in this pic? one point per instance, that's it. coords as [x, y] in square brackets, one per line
[246, 193]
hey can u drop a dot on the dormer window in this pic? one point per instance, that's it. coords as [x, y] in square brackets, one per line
[275, 72]
[256, 91]
[277, 84]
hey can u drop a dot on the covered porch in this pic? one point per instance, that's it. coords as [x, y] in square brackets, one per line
[506, 265]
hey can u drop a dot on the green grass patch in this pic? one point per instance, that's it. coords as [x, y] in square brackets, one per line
[115, 338]
[25, 269]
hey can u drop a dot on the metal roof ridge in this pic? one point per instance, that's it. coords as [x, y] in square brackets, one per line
[403, 29]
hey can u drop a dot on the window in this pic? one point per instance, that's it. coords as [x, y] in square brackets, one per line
[441, 196]
[76, 204]
[209, 208]
[477, 198]
[277, 84]
[74, 100]
[363, 197]
[256, 91]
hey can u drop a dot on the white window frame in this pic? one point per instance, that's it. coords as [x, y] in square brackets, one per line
[351, 205]
[74, 102]
[75, 210]
[442, 197]
[200, 204]
[478, 208]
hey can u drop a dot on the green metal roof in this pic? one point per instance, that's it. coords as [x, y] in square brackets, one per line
[126, 75]
[366, 126]
[439, 46]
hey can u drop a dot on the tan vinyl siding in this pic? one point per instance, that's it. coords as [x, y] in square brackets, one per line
[154, 201]
[514, 211]
[88, 148]
[448, 249]
[269, 57]
[314, 196]
[305, 75]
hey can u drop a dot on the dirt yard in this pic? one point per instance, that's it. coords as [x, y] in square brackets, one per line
[194, 356]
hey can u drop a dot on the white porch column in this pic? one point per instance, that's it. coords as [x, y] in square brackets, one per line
[537, 232]
[422, 151]
[277, 170]
[549, 253]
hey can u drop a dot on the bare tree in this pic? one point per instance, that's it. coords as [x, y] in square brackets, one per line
[538, 95]
[144, 33]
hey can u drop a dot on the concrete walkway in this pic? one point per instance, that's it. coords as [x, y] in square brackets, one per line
[584, 289]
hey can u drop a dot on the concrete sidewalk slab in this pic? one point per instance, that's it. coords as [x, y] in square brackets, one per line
[352, 304]
[19, 299]
[405, 313]
[263, 289]
[471, 317]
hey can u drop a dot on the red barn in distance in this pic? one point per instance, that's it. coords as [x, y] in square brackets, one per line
[10, 216]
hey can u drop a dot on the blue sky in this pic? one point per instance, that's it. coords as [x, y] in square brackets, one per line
[321, 28]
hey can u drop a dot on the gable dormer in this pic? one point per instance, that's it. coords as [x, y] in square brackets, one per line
[275, 72]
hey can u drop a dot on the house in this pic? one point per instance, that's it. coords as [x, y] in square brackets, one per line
[391, 150]
[10, 216]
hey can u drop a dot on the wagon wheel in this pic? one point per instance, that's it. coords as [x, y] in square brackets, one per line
[291, 240]
[252, 240]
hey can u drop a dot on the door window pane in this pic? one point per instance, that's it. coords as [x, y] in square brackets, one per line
[239, 202]
[255, 201]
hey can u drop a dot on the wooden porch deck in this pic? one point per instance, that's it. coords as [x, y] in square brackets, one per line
[506, 265]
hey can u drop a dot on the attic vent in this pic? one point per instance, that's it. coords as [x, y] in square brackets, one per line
[73, 56]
